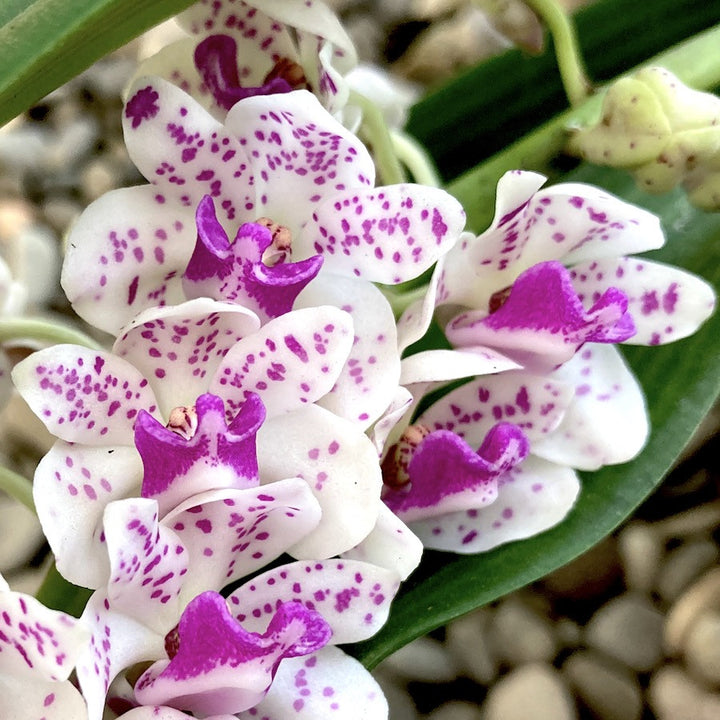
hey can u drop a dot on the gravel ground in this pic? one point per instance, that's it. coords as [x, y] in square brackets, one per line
[629, 631]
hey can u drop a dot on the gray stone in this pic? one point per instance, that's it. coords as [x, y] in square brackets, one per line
[518, 635]
[674, 696]
[424, 659]
[628, 629]
[533, 690]
[402, 706]
[684, 565]
[467, 641]
[611, 692]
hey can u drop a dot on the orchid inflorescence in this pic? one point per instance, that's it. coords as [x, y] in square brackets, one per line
[248, 474]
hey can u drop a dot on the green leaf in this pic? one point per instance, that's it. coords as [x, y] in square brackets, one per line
[44, 43]
[490, 106]
[681, 382]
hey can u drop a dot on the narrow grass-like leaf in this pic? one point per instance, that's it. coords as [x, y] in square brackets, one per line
[44, 43]
[681, 381]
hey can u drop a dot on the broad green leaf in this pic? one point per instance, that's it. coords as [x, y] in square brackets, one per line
[488, 107]
[681, 382]
[44, 43]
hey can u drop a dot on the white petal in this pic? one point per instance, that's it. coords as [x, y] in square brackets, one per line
[340, 465]
[323, 685]
[607, 421]
[534, 496]
[666, 303]
[72, 486]
[372, 370]
[353, 597]
[178, 348]
[82, 395]
[30, 699]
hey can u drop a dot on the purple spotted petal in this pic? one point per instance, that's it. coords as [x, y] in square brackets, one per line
[299, 152]
[116, 643]
[37, 643]
[666, 303]
[533, 497]
[542, 323]
[124, 254]
[339, 464]
[184, 152]
[353, 597]
[215, 60]
[147, 564]
[82, 395]
[388, 235]
[534, 403]
[447, 475]
[606, 423]
[325, 685]
[38, 698]
[232, 533]
[162, 712]
[290, 362]
[391, 545]
[72, 486]
[178, 348]
[236, 273]
[570, 221]
[372, 370]
[222, 668]
[217, 455]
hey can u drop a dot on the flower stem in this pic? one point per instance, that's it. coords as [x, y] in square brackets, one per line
[567, 50]
[696, 62]
[373, 123]
[45, 331]
[415, 158]
[17, 486]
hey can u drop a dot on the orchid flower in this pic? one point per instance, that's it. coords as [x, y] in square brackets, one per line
[154, 608]
[38, 651]
[93, 402]
[238, 49]
[280, 157]
[527, 305]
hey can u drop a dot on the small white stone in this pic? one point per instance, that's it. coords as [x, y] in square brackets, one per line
[702, 647]
[98, 177]
[518, 635]
[467, 641]
[674, 696]
[612, 693]
[641, 550]
[402, 706]
[424, 660]
[534, 691]
[628, 629]
[700, 596]
[684, 565]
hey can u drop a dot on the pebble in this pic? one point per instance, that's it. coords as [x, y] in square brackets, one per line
[702, 519]
[628, 629]
[467, 640]
[684, 565]
[98, 177]
[702, 647]
[674, 696]
[61, 213]
[703, 595]
[535, 690]
[610, 692]
[518, 635]
[454, 710]
[20, 535]
[401, 704]
[424, 660]
[641, 551]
